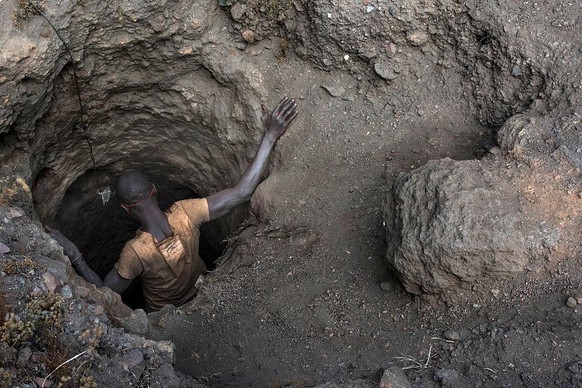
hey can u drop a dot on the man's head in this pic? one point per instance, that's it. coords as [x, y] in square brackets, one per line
[134, 189]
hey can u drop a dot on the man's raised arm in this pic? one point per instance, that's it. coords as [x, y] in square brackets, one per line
[276, 124]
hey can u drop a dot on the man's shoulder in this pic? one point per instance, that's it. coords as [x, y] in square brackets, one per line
[194, 208]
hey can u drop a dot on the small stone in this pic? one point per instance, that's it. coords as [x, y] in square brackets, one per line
[495, 151]
[298, 6]
[571, 302]
[495, 293]
[516, 71]
[451, 335]
[334, 91]
[137, 323]
[50, 281]
[387, 286]
[237, 11]
[66, 292]
[167, 348]
[368, 53]
[132, 358]
[248, 35]
[446, 375]
[4, 249]
[394, 378]
[392, 48]
[370, 8]
[98, 310]
[393, 10]
[576, 368]
[42, 382]
[14, 213]
[384, 70]
[579, 300]
[166, 374]
[417, 38]
[24, 355]
[82, 292]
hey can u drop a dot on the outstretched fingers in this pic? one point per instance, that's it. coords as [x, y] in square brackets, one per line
[284, 105]
[288, 109]
[290, 114]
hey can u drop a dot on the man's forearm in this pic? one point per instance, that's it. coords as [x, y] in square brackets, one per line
[81, 267]
[252, 176]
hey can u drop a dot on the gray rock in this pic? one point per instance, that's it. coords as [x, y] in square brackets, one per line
[66, 292]
[571, 302]
[51, 282]
[451, 224]
[417, 38]
[164, 376]
[82, 292]
[24, 355]
[4, 249]
[237, 11]
[386, 71]
[446, 375]
[452, 335]
[394, 378]
[133, 358]
[167, 349]
[575, 367]
[137, 323]
[334, 90]
[516, 71]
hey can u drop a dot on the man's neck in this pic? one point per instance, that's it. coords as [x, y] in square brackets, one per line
[157, 225]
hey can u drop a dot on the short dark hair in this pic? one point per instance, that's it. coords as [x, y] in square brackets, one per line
[132, 187]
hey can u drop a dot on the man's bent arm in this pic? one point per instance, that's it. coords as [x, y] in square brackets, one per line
[276, 123]
[82, 268]
[112, 280]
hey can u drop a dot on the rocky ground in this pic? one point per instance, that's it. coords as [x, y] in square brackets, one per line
[322, 285]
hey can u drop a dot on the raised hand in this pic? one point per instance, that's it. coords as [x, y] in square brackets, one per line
[279, 120]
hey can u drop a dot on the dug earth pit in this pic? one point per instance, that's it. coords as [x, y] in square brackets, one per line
[436, 154]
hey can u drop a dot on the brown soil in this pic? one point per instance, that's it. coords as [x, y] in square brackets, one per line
[305, 297]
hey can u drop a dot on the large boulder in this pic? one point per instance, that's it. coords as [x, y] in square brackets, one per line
[453, 225]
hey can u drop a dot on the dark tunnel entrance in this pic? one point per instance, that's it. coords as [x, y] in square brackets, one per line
[101, 230]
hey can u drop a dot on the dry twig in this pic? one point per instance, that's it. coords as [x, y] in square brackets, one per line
[64, 363]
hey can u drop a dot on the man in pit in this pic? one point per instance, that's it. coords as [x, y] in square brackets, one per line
[164, 252]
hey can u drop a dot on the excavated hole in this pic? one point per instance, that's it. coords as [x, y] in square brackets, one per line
[101, 230]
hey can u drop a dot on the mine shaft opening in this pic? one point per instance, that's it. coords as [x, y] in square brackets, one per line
[100, 230]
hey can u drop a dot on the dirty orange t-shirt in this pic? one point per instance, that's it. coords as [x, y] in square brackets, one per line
[169, 268]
